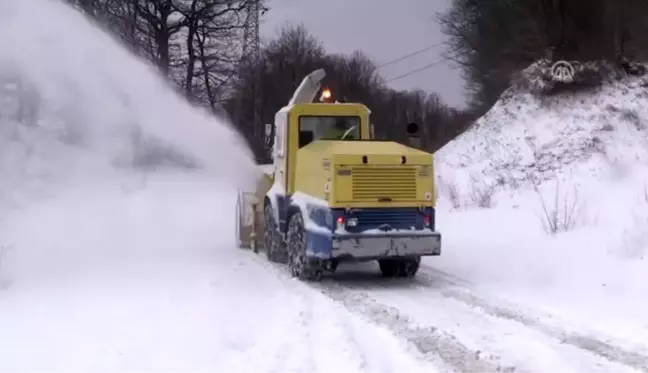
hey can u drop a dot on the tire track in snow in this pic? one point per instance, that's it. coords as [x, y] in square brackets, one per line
[280, 352]
[434, 344]
[306, 320]
[281, 272]
[462, 293]
[350, 333]
[429, 341]
[438, 347]
[496, 339]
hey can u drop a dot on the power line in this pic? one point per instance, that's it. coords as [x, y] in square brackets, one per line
[416, 71]
[412, 54]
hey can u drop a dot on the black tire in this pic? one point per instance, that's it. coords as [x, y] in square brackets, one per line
[296, 243]
[271, 237]
[406, 267]
[389, 267]
[409, 267]
[334, 266]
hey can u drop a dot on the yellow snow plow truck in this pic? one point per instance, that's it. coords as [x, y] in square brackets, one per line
[334, 193]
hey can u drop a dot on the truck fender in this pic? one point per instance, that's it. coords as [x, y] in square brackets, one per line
[272, 201]
[282, 209]
[292, 209]
[272, 198]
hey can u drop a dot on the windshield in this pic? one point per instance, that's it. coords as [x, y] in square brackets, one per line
[313, 128]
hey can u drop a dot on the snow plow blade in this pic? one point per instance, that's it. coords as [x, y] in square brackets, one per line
[249, 214]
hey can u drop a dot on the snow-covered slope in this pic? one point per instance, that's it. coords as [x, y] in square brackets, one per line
[525, 137]
[536, 166]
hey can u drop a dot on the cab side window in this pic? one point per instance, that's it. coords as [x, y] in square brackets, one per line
[329, 128]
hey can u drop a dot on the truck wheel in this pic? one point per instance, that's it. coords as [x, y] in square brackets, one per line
[399, 267]
[297, 260]
[271, 237]
[334, 265]
[409, 267]
[389, 267]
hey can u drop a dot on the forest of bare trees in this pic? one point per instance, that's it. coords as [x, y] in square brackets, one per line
[197, 46]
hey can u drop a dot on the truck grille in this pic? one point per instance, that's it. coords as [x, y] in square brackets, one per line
[373, 218]
[396, 183]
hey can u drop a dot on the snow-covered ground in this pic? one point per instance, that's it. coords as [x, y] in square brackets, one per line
[117, 237]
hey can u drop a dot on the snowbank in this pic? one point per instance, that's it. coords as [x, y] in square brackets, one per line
[544, 199]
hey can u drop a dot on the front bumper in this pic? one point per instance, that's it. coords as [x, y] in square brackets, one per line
[385, 245]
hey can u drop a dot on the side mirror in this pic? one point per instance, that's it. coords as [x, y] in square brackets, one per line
[412, 129]
[414, 138]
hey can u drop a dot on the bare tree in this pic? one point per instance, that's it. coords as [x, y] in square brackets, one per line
[197, 45]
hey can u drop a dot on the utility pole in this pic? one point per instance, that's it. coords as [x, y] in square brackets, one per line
[251, 58]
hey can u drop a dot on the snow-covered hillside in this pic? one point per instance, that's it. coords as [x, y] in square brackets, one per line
[545, 200]
[526, 136]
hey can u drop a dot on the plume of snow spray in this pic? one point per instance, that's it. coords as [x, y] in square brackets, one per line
[96, 104]
[98, 95]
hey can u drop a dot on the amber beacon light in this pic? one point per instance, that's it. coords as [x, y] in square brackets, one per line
[326, 95]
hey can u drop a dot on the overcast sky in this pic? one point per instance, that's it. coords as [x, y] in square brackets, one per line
[383, 29]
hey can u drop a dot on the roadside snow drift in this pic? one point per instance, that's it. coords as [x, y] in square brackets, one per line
[545, 199]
